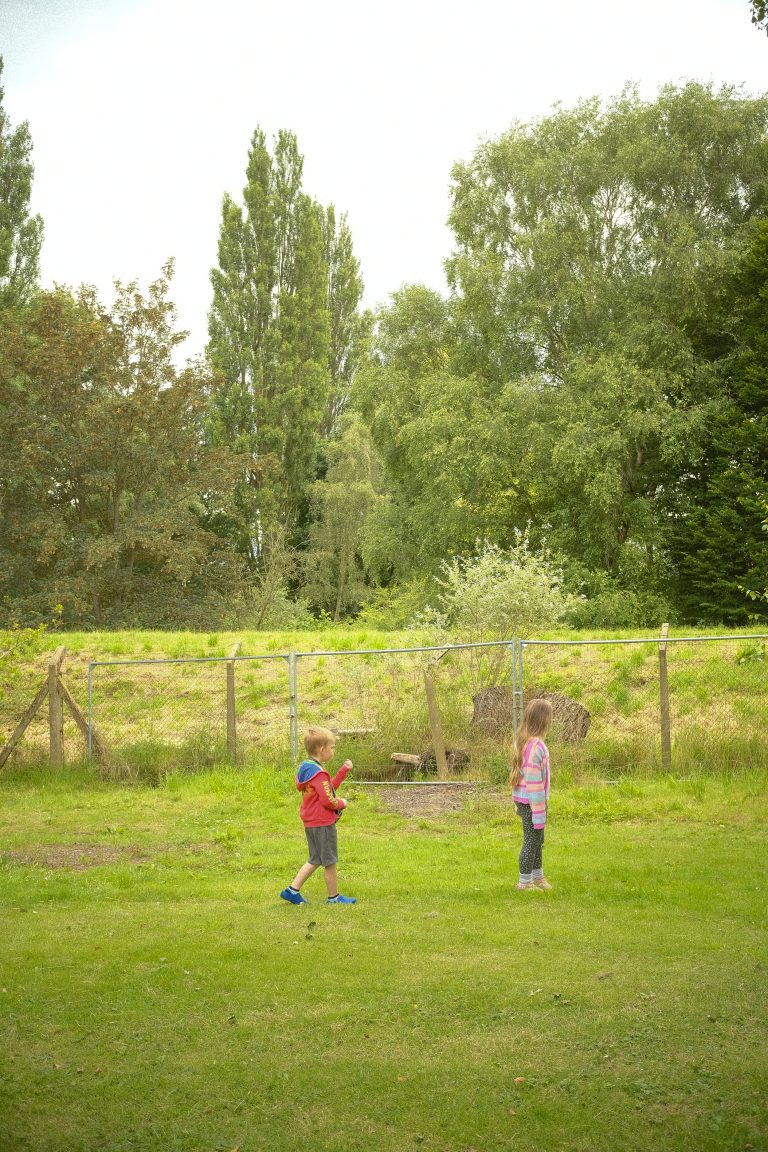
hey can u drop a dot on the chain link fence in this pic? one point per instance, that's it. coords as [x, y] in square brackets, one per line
[147, 718]
[405, 713]
[687, 704]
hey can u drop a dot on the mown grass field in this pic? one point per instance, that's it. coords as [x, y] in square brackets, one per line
[155, 993]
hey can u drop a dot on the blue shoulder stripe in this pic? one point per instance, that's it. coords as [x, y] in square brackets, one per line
[307, 769]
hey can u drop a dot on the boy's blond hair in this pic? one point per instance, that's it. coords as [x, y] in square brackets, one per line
[316, 738]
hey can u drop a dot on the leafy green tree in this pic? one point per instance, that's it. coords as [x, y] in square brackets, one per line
[717, 507]
[268, 602]
[590, 248]
[20, 233]
[759, 13]
[348, 327]
[334, 579]
[571, 380]
[105, 509]
[439, 435]
[603, 226]
[282, 331]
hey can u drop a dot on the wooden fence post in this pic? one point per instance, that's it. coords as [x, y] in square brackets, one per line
[56, 709]
[435, 725]
[666, 738]
[231, 717]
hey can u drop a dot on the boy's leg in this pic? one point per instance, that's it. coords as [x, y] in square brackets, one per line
[303, 874]
[331, 882]
[292, 893]
[330, 857]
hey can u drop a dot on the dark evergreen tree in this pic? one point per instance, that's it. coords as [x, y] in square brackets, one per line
[717, 509]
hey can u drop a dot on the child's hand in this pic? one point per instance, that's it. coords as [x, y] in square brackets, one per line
[348, 765]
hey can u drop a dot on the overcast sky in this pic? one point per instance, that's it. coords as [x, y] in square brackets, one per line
[142, 111]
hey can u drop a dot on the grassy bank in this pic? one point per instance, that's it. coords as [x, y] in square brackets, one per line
[159, 700]
[156, 993]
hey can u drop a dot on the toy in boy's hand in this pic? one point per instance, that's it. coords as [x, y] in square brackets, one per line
[348, 765]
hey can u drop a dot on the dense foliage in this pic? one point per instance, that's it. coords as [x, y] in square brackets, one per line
[593, 383]
[284, 331]
[105, 478]
[21, 234]
[597, 374]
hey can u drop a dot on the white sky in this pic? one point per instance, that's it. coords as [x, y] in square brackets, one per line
[142, 111]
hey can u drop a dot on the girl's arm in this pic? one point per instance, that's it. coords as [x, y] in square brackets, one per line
[535, 784]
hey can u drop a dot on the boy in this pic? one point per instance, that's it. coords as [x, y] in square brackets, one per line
[320, 809]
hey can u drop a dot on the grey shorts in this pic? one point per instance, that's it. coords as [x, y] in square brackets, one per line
[323, 845]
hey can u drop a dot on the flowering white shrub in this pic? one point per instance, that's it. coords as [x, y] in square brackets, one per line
[498, 594]
[501, 593]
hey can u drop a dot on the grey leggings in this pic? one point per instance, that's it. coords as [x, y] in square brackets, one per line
[533, 841]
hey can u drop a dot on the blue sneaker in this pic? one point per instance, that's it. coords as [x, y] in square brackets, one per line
[292, 896]
[341, 900]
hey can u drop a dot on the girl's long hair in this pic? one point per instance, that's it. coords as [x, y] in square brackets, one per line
[537, 718]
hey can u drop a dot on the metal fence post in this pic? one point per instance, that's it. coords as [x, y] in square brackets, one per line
[517, 684]
[293, 690]
[90, 712]
[666, 740]
[231, 715]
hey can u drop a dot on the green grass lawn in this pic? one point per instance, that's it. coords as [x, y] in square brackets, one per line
[155, 993]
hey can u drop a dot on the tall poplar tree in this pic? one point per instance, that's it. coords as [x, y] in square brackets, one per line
[348, 327]
[20, 233]
[275, 336]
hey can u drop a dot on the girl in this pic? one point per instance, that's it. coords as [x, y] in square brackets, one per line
[529, 778]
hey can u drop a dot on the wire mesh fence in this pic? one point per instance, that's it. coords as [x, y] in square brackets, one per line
[152, 717]
[640, 705]
[405, 713]
[678, 704]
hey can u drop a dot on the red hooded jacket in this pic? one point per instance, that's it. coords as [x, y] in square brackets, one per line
[320, 805]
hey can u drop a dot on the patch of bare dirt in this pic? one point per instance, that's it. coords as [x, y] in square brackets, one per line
[75, 857]
[79, 857]
[426, 799]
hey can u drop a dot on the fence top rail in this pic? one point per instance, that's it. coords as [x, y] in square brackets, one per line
[645, 640]
[186, 660]
[396, 651]
[297, 655]
[423, 648]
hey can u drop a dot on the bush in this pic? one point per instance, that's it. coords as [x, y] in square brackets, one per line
[18, 646]
[394, 608]
[620, 608]
[500, 593]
